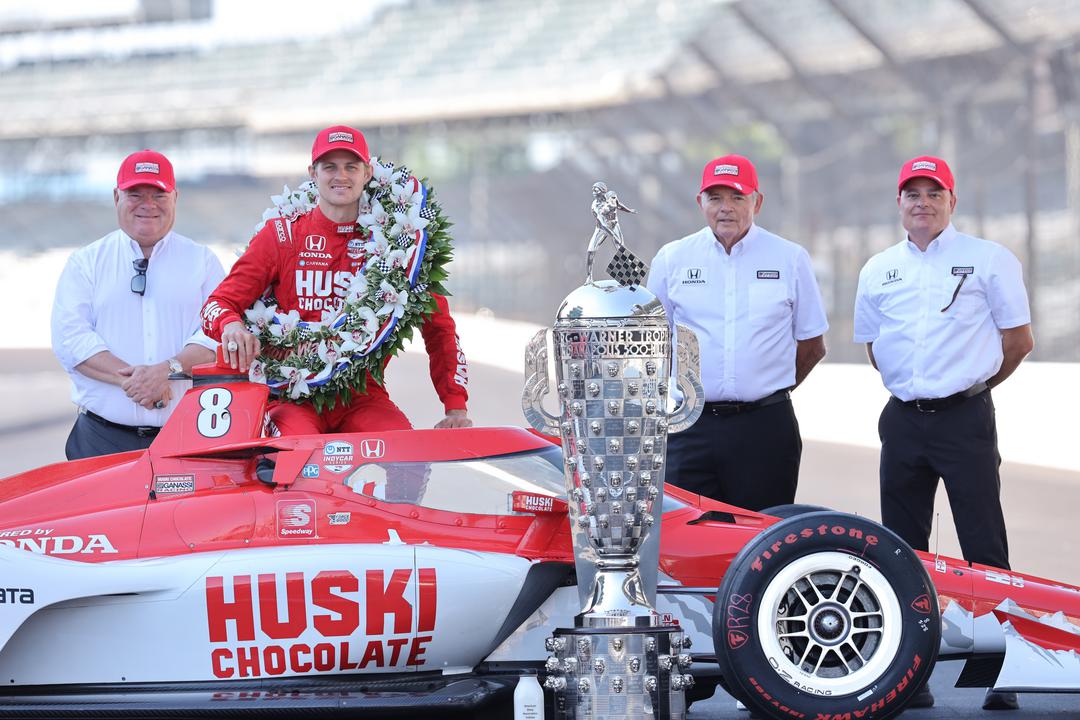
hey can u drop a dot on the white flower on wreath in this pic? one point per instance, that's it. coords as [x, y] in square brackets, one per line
[330, 352]
[365, 203]
[382, 175]
[394, 300]
[409, 223]
[257, 372]
[286, 323]
[358, 338]
[358, 288]
[377, 245]
[403, 194]
[260, 315]
[398, 258]
[375, 217]
[328, 316]
[297, 378]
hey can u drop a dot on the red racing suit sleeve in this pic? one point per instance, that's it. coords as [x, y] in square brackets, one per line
[250, 276]
[446, 361]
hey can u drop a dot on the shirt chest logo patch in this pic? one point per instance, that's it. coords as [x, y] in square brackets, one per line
[768, 274]
[963, 270]
[693, 276]
[892, 276]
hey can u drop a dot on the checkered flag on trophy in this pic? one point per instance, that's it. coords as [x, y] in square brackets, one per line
[627, 268]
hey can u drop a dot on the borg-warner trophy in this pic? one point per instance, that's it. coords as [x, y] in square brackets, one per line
[612, 358]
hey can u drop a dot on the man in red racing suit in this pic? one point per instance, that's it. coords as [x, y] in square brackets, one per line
[308, 267]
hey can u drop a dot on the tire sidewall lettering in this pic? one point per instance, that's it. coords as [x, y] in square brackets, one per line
[760, 681]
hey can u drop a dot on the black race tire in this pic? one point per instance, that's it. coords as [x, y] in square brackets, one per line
[826, 615]
[793, 509]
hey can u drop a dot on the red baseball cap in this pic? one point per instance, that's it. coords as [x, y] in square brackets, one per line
[340, 137]
[734, 171]
[927, 166]
[146, 167]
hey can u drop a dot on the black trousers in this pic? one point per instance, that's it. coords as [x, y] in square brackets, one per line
[958, 445]
[749, 459]
[89, 438]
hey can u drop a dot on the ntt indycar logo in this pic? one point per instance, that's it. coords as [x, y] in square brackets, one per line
[295, 518]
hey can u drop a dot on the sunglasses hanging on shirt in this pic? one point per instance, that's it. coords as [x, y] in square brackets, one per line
[138, 282]
[955, 293]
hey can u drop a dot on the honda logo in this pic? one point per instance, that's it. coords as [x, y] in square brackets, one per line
[316, 243]
[694, 273]
[892, 274]
[372, 449]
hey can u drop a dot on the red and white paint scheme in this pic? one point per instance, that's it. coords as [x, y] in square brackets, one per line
[426, 552]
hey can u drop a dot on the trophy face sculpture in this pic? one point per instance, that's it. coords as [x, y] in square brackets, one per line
[613, 359]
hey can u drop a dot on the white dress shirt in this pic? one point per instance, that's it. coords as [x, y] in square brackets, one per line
[921, 350]
[748, 308]
[96, 310]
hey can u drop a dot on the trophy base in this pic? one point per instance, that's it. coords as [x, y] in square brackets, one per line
[626, 672]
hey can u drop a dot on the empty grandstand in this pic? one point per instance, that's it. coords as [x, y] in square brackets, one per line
[514, 108]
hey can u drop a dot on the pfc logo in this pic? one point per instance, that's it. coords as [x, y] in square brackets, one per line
[372, 448]
[315, 243]
[295, 518]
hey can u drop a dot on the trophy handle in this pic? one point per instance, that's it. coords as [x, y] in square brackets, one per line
[688, 381]
[536, 386]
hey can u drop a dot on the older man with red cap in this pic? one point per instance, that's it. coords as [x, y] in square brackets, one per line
[945, 318]
[307, 265]
[126, 314]
[752, 299]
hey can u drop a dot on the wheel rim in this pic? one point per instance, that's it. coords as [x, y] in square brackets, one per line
[829, 623]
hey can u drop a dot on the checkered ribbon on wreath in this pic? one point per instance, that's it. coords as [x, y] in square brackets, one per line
[420, 288]
[626, 268]
[403, 241]
[428, 213]
[404, 170]
[383, 266]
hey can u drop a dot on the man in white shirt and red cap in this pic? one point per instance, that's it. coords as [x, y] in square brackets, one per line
[126, 314]
[752, 300]
[945, 318]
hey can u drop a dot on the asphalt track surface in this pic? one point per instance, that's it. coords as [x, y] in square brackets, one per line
[1040, 503]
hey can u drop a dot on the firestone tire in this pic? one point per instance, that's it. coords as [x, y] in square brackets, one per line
[829, 616]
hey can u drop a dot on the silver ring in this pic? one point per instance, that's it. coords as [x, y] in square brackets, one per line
[232, 346]
[160, 405]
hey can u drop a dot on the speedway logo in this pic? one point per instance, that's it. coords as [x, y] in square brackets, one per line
[43, 542]
[174, 484]
[148, 167]
[298, 623]
[340, 137]
[296, 518]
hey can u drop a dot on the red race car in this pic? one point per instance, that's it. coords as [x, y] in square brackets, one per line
[425, 569]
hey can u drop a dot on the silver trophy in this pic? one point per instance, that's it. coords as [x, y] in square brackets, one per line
[612, 358]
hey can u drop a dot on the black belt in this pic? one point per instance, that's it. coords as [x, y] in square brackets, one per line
[142, 431]
[731, 407]
[935, 404]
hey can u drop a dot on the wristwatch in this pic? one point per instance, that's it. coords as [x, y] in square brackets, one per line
[175, 368]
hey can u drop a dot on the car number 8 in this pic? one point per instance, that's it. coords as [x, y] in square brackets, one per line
[214, 420]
